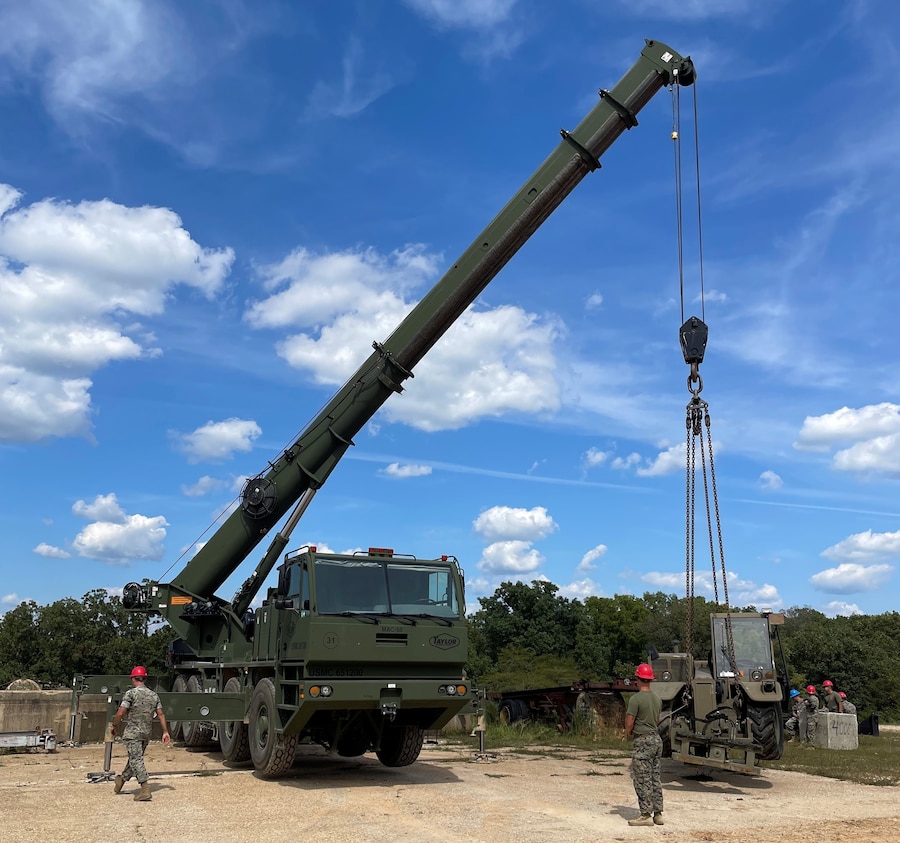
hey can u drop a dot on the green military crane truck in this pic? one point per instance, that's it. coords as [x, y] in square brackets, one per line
[366, 651]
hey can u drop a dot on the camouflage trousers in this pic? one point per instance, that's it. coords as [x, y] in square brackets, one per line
[645, 772]
[135, 766]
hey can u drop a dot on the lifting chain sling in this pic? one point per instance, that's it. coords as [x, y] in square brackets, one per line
[693, 336]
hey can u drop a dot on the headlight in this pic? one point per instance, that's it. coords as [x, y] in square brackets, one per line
[756, 675]
[666, 676]
[320, 690]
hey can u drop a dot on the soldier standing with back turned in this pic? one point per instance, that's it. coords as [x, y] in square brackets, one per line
[642, 723]
[140, 703]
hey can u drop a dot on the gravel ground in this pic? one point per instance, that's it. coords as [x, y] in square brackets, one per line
[450, 794]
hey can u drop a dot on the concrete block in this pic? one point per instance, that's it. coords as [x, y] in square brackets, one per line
[836, 731]
[21, 710]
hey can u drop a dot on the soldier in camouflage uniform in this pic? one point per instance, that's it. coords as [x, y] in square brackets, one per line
[792, 724]
[641, 723]
[140, 703]
[849, 707]
[811, 706]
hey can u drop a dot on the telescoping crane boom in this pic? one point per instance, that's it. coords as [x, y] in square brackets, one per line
[309, 461]
[268, 658]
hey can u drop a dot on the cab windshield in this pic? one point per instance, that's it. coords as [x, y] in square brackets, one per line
[385, 586]
[752, 646]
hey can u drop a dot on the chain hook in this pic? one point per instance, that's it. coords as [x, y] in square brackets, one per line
[694, 378]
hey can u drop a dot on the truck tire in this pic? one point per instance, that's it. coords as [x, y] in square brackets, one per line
[234, 738]
[196, 732]
[505, 712]
[176, 727]
[272, 753]
[767, 728]
[400, 745]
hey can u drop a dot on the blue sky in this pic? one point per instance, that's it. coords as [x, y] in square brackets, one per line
[208, 212]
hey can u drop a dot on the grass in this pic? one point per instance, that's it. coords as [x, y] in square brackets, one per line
[876, 762]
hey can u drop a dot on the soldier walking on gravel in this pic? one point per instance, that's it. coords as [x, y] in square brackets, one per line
[641, 723]
[140, 703]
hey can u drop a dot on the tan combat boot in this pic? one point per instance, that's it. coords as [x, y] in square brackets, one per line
[643, 819]
[658, 818]
[118, 784]
[143, 795]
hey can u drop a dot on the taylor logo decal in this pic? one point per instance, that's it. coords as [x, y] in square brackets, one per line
[443, 642]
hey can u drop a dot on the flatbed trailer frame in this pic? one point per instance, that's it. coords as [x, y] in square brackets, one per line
[563, 704]
[42, 738]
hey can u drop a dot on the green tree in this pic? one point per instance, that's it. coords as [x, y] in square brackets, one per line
[521, 669]
[20, 644]
[531, 617]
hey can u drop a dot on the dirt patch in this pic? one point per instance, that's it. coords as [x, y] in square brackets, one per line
[448, 795]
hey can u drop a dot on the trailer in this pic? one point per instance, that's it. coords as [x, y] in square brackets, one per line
[32, 738]
[594, 704]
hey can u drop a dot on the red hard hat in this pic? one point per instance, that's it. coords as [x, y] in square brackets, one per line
[810, 689]
[644, 671]
[139, 671]
[828, 684]
[842, 695]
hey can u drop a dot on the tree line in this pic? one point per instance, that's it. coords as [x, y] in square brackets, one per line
[529, 636]
[522, 636]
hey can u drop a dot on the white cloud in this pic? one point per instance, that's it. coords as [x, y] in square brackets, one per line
[216, 441]
[820, 433]
[404, 471]
[594, 301]
[512, 557]
[711, 296]
[838, 607]
[589, 558]
[850, 577]
[361, 83]
[203, 486]
[662, 580]
[878, 455]
[116, 537]
[136, 63]
[102, 508]
[87, 56]
[489, 362]
[671, 460]
[468, 14]
[594, 457]
[580, 590]
[72, 279]
[741, 592]
[50, 552]
[505, 522]
[626, 463]
[770, 480]
[692, 10]
[865, 547]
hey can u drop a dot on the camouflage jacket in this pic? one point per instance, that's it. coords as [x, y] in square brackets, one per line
[142, 704]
